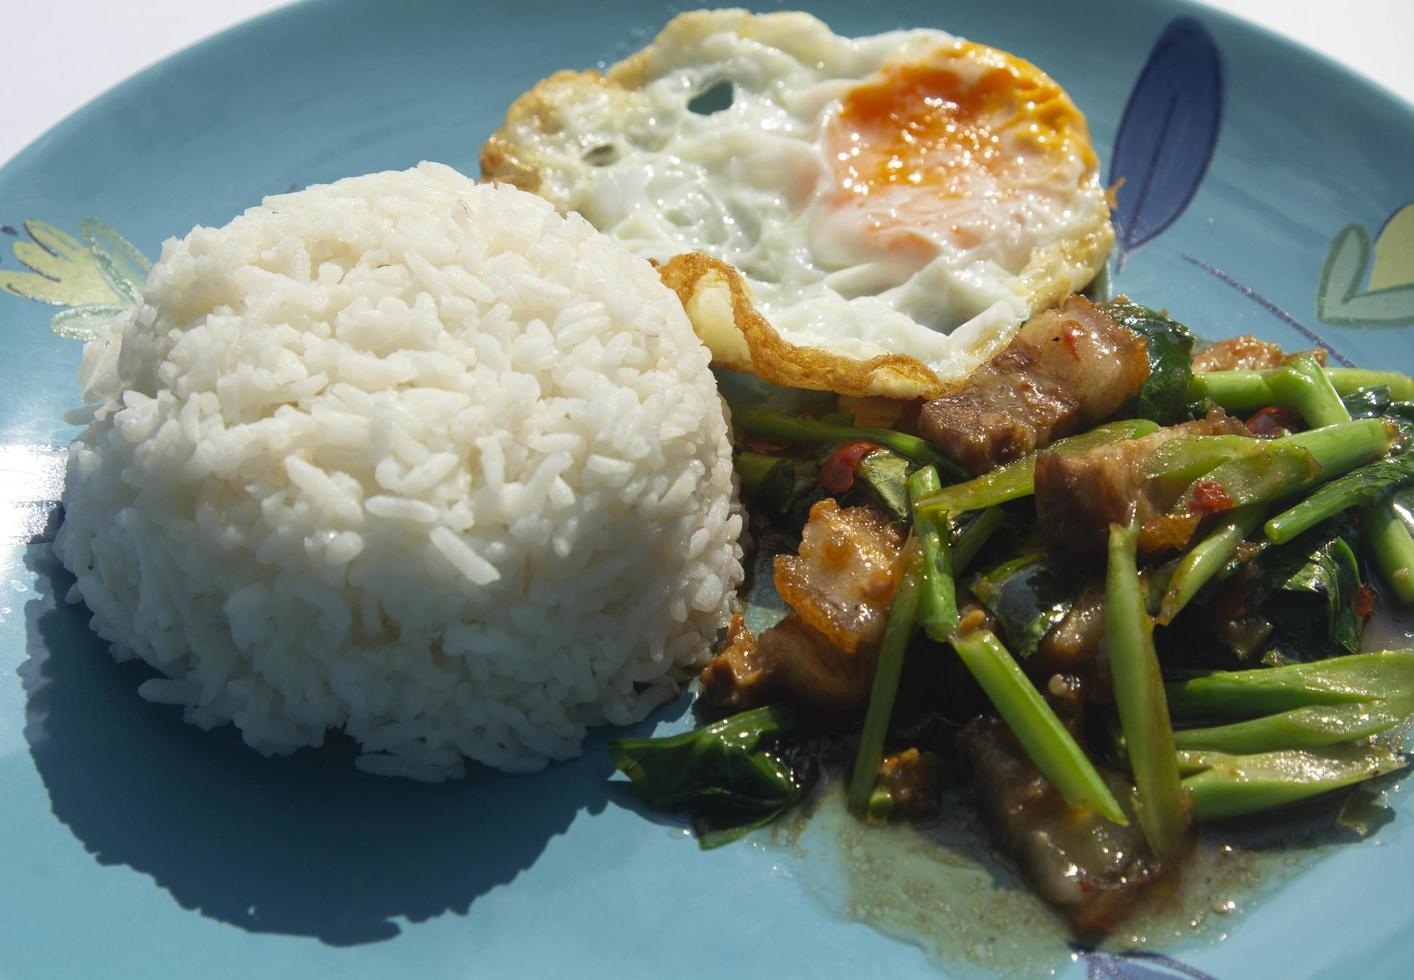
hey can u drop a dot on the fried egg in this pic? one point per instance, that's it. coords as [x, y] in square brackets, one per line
[873, 216]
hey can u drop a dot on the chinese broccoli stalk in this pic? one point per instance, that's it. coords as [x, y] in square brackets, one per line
[897, 633]
[937, 605]
[1035, 725]
[1139, 696]
[1248, 391]
[767, 424]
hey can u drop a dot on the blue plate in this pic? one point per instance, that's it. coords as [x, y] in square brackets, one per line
[1263, 193]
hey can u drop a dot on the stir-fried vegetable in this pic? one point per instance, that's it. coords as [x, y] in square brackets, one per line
[1300, 728]
[1139, 697]
[1276, 468]
[937, 605]
[1232, 785]
[1357, 488]
[1308, 591]
[886, 676]
[1392, 546]
[1358, 678]
[1206, 559]
[1169, 346]
[883, 476]
[1303, 385]
[812, 432]
[724, 776]
[1252, 554]
[1035, 725]
[1027, 597]
[1248, 391]
[973, 535]
[1015, 480]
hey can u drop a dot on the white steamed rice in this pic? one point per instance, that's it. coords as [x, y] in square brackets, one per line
[410, 457]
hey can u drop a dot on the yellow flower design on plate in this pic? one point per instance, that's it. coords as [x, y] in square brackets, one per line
[96, 276]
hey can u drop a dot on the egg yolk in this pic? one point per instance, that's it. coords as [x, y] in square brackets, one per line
[969, 124]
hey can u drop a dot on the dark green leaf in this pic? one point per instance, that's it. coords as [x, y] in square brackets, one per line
[779, 491]
[1313, 583]
[883, 478]
[724, 776]
[1164, 395]
[1367, 403]
[1027, 598]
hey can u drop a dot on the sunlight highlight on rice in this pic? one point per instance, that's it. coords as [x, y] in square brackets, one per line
[409, 457]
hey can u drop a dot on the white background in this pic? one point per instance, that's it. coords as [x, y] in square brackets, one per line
[58, 54]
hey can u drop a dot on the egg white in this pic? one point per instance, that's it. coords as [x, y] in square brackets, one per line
[753, 186]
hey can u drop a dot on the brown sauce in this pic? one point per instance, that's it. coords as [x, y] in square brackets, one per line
[942, 887]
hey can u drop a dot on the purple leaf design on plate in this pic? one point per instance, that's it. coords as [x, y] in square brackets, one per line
[1167, 134]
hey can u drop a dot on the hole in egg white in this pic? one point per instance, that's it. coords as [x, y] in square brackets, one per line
[713, 99]
[601, 156]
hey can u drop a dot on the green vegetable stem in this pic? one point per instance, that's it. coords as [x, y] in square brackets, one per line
[1365, 485]
[1360, 677]
[1312, 727]
[1206, 559]
[970, 537]
[897, 633]
[937, 606]
[1233, 785]
[1276, 468]
[1247, 391]
[1392, 547]
[767, 424]
[1035, 725]
[1302, 384]
[1139, 696]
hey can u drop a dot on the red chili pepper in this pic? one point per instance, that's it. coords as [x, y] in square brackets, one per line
[1210, 497]
[1366, 601]
[1275, 420]
[837, 472]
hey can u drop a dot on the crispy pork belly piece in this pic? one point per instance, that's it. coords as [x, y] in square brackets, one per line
[1091, 870]
[789, 662]
[1246, 353]
[1079, 497]
[913, 780]
[821, 656]
[842, 582]
[1065, 370]
[737, 678]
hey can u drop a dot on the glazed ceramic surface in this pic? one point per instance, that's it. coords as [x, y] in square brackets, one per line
[1263, 192]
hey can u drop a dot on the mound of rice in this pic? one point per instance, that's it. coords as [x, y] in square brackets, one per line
[409, 457]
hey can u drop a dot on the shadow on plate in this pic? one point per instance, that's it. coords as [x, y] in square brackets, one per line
[304, 845]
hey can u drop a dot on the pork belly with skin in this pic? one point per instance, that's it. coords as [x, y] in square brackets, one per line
[821, 656]
[1079, 497]
[1065, 370]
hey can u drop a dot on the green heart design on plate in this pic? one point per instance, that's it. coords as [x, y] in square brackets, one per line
[1388, 296]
